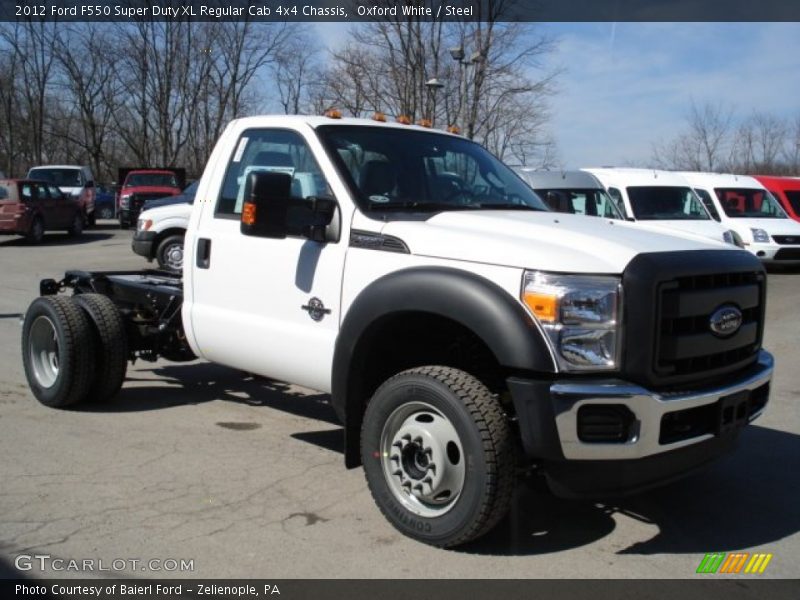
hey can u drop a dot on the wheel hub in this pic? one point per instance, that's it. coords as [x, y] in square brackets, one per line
[44, 351]
[422, 459]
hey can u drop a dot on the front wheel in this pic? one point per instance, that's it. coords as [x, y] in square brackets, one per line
[170, 253]
[35, 234]
[438, 455]
[77, 225]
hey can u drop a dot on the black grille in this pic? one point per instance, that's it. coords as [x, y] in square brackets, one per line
[604, 423]
[788, 254]
[137, 200]
[669, 300]
[685, 343]
[787, 239]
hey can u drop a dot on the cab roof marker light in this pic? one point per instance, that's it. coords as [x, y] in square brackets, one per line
[403, 119]
[425, 123]
[379, 116]
[333, 113]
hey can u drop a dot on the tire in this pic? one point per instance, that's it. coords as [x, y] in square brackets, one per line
[170, 253]
[111, 342]
[447, 418]
[106, 213]
[57, 351]
[76, 228]
[35, 234]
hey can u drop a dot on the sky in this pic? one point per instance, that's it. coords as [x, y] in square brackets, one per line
[625, 86]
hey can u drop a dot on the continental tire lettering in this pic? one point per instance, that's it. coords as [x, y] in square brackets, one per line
[408, 521]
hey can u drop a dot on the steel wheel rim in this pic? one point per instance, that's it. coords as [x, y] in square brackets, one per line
[423, 459]
[173, 256]
[44, 351]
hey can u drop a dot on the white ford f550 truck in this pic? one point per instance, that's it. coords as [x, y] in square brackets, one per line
[465, 333]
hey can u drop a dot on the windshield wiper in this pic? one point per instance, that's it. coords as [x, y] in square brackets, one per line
[416, 206]
[505, 206]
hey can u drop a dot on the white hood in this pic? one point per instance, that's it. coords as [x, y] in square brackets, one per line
[771, 226]
[539, 240]
[705, 228]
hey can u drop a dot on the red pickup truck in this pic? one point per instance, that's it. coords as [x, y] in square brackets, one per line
[141, 185]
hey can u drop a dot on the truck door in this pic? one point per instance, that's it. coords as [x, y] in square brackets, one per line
[266, 306]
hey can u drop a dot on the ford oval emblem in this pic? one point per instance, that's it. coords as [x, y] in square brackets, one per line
[725, 321]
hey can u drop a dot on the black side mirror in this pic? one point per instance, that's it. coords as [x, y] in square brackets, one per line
[270, 211]
[266, 204]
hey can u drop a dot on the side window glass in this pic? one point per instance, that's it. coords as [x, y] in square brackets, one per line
[271, 150]
[579, 203]
[43, 193]
[26, 191]
[707, 202]
[616, 196]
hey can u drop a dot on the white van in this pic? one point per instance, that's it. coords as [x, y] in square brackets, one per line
[660, 200]
[574, 192]
[742, 204]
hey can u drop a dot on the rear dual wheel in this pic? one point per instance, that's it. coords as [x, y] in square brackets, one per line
[73, 349]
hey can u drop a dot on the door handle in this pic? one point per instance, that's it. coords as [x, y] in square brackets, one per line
[203, 253]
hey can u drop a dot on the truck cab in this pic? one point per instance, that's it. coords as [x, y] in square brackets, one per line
[141, 185]
[73, 180]
[466, 334]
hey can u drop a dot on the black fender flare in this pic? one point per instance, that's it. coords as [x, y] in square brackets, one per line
[473, 301]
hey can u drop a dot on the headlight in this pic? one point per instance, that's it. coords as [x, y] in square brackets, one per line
[734, 238]
[580, 315]
[143, 224]
[125, 201]
[760, 236]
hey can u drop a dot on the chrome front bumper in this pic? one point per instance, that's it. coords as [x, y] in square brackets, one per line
[648, 409]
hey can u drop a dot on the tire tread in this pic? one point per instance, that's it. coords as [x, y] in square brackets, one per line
[498, 446]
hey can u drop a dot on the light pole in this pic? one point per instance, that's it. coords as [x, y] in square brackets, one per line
[457, 54]
[433, 85]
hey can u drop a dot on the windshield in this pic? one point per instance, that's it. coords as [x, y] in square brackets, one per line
[152, 180]
[59, 177]
[397, 169]
[707, 202]
[590, 202]
[666, 203]
[793, 196]
[751, 203]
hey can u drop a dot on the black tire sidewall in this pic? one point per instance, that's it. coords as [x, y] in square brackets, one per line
[49, 396]
[162, 247]
[35, 236]
[437, 530]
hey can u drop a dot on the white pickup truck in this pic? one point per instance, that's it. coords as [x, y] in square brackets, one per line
[466, 334]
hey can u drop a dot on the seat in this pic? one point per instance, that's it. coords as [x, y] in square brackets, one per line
[378, 178]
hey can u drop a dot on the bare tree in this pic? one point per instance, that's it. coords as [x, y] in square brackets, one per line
[760, 140]
[703, 146]
[490, 92]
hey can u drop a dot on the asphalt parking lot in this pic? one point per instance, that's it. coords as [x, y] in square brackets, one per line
[245, 477]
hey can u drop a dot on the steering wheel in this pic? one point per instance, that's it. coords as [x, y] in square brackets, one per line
[466, 195]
